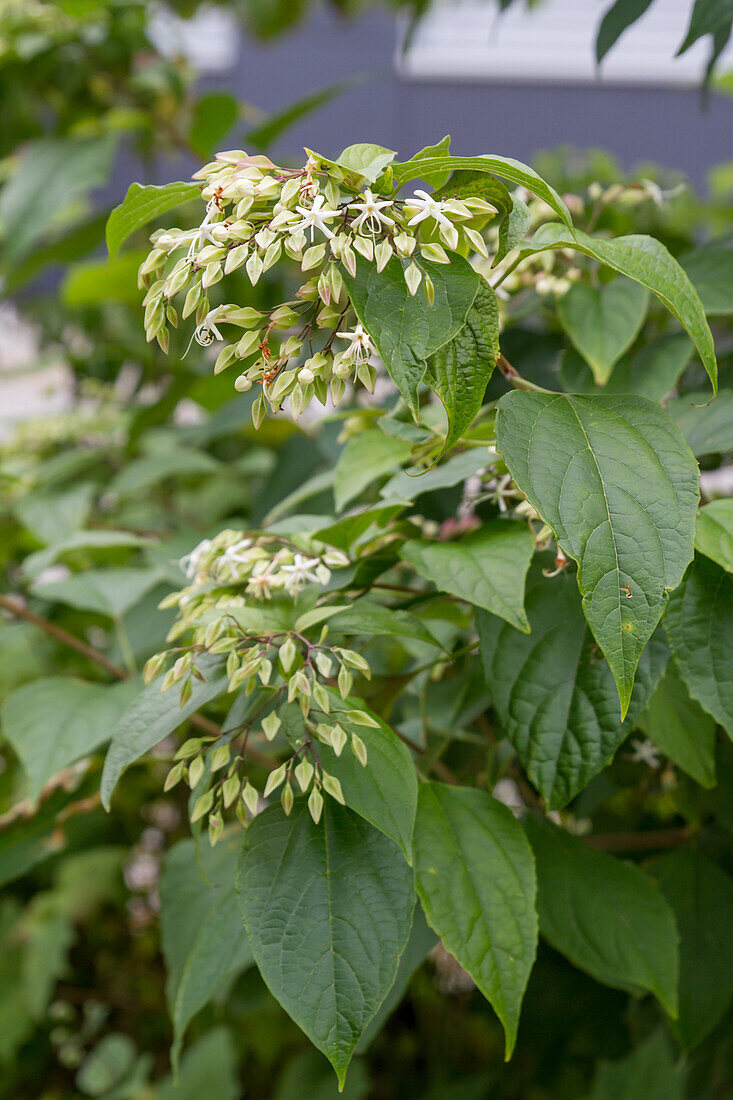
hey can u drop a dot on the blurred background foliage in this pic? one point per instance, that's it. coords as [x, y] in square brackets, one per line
[123, 459]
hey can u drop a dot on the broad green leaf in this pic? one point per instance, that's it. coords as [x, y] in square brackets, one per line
[699, 626]
[650, 372]
[708, 17]
[405, 329]
[204, 945]
[710, 269]
[52, 177]
[714, 532]
[148, 470]
[366, 158]
[327, 909]
[213, 115]
[475, 877]
[55, 721]
[440, 151]
[385, 791]
[52, 517]
[422, 940]
[646, 261]
[486, 567]
[648, 1073]
[366, 616]
[557, 702]
[706, 425]
[408, 485]
[618, 18]
[151, 717]
[503, 167]
[366, 457]
[701, 895]
[92, 540]
[606, 916]
[94, 282]
[680, 728]
[107, 591]
[460, 371]
[603, 321]
[208, 1068]
[344, 533]
[613, 479]
[143, 203]
[513, 228]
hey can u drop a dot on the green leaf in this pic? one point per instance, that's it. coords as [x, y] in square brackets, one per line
[513, 228]
[460, 371]
[486, 567]
[680, 728]
[606, 916]
[613, 479]
[385, 791]
[366, 457]
[204, 945]
[619, 17]
[648, 1073]
[208, 1068]
[150, 469]
[35, 564]
[344, 533]
[706, 425]
[51, 178]
[603, 321]
[422, 940]
[366, 616]
[107, 591]
[714, 532]
[405, 329]
[366, 158]
[213, 116]
[503, 167]
[708, 17]
[710, 269]
[701, 895]
[53, 722]
[557, 702]
[475, 877]
[408, 485]
[650, 372]
[328, 910]
[646, 261]
[151, 717]
[108, 1065]
[700, 631]
[143, 203]
[52, 517]
[94, 282]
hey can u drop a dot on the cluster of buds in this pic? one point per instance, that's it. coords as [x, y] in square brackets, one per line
[326, 220]
[303, 683]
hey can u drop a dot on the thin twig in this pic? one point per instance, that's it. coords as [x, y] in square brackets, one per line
[641, 842]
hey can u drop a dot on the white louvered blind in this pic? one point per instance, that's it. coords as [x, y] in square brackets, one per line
[472, 40]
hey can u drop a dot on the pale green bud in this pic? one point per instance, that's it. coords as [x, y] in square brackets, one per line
[304, 774]
[271, 724]
[332, 786]
[288, 653]
[230, 790]
[174, 775]
[219, 758]
[251, 798]
[345, 681]
[359, 749]
[315, 804]
[203, 805]
[274, 779]
[287, 799]
[338, 739]
[155, 665]
[195, 771]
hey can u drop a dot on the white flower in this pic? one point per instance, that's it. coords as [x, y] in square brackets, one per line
[189, 563]
[235, 554]
[371, 212]
[207, 331]
[262, 580]
[315, 217]
[361, 345]
[428, 207]
[300, 572]
[645, 752]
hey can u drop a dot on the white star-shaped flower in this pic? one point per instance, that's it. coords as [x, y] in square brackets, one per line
[361, 344]
[371, 212]
[315, 217]
[428, 207]
[300, 572]
[645, 752]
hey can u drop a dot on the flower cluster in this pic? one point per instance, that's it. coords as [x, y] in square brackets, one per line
[327, 220]
[296, 685]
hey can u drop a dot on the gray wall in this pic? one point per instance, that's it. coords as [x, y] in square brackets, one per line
[665, 125]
